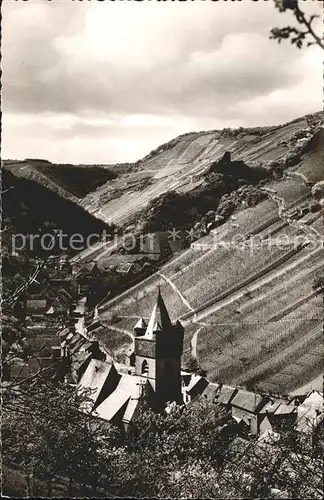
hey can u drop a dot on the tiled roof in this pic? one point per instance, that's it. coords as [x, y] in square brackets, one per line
[108, 409]
[95, 377]
[79, 358]
[79, 362]
[284, 409]
[117, 259]
[270, 407]
[211, 391]
[73, 340]
[36, 305]
[226, 394]
[314, 400]
[77, 346]
[308, 413]
[95, 324]
[246, 400]
[124, 268]
[127, 393]
[195, 382]
[86, 345]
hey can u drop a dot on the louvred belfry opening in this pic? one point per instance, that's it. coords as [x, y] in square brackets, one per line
[145, 367]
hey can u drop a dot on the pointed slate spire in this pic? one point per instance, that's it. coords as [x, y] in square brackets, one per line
[141, 323]
[160, 318]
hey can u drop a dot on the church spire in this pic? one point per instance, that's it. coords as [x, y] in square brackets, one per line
[160, 319]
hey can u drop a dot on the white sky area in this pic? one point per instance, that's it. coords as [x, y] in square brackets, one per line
[106, 82]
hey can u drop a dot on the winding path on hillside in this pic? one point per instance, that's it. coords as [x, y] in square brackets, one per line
[177, 291]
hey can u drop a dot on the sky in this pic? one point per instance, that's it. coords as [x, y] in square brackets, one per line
[108, 81]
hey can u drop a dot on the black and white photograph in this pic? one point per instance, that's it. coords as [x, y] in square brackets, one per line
[162, 279]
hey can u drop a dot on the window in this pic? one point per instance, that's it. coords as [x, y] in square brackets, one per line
[145, 367]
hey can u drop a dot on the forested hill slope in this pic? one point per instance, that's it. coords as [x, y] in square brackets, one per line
[30, 208]
[69, 181]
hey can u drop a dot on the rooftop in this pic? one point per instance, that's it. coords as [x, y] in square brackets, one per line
[125, 397]
[226, 394]
[160, 318]
[246, 400]
[95, 376]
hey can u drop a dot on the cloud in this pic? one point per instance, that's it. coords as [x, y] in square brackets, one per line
[82, 84]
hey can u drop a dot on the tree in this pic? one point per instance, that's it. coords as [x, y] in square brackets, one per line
[192, 366]
[13, 339]
[302, 36]
[162, 447]
[46, 433]
[318, 284]
[285, 463]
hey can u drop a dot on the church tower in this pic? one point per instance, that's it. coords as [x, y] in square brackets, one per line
[158, 351]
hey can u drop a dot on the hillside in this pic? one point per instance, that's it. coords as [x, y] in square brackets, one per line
[182, 164]
[251, 312]
[69, 181]
[29, 208]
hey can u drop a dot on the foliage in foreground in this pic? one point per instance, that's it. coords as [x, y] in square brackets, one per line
[192, 452]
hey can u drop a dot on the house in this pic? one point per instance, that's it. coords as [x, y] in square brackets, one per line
[78, 307]
[79, 363]
[72, 342]
[121, 405]
[100, 379]
[211, 392]
[35, 307]
[155, 245]
[308, 413]
[77, 315]
[274, 415]
[193, 387]
[245, 406]
[127, 268]
[121, 263]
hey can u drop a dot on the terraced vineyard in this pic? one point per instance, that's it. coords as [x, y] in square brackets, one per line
[245, 292]
[251, 318]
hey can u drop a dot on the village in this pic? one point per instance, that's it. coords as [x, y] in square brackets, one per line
[63, 336]
[162, 244]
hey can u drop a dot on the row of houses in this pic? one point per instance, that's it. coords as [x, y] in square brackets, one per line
[264, 414]
[57, 305]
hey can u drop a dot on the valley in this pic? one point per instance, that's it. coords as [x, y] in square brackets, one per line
[245, 290]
